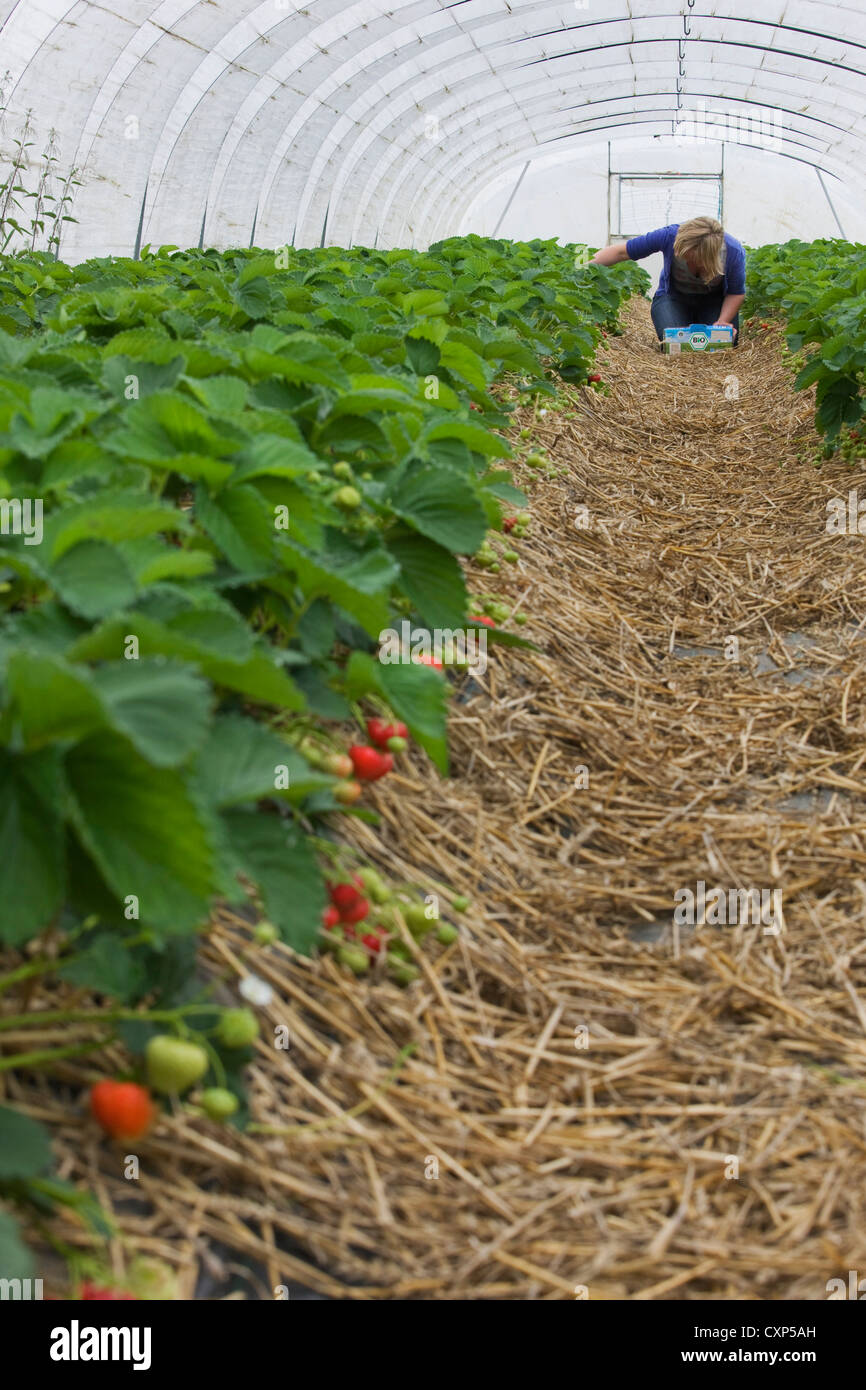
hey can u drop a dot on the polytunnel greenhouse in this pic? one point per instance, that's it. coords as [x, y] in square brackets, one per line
[433, 701]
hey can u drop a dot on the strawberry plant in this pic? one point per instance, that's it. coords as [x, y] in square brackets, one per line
[819, 288]
[222, 477]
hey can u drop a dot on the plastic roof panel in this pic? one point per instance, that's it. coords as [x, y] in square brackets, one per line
[366, 120]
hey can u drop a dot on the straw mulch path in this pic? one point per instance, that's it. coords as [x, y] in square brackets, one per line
[616, 1105]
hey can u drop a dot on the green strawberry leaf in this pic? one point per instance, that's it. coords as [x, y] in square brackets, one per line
[93, 579]
[32, 877]
[277, 857]
[144, 831]
[431, 577]
[25, 1148]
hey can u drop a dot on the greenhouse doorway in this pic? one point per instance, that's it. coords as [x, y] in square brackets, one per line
[639, 202]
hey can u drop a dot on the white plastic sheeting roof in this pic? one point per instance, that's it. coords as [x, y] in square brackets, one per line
[228, 121]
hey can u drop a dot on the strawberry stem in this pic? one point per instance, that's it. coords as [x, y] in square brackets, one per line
[46, 1055]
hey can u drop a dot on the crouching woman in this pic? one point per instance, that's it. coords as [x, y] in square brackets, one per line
[703, 277]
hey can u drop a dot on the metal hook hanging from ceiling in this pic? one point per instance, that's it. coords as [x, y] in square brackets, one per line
[681, 53]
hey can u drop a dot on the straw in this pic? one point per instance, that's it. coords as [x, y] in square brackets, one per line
[612, 1103]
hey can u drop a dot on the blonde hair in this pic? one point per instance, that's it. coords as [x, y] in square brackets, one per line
[703, 239]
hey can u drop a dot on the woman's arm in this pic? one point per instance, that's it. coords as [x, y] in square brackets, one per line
[730, 307]
[611, 255]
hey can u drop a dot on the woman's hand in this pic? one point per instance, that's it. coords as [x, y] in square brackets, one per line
[722, 323]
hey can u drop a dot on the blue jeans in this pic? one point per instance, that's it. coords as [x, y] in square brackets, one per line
[672, 310]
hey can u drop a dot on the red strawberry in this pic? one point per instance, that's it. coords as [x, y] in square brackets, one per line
[369, 763]
[330, 918]
[480, 618]
[345, 895]
[429, 661]
[357, 912]
[124, 1109]
[595, 377]
[509, 523]
[94, 1292]
[372, 942]
[379, 732]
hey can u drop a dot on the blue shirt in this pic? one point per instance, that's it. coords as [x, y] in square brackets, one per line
[662, 239]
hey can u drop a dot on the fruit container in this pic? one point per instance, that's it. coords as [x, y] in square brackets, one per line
[698, 337]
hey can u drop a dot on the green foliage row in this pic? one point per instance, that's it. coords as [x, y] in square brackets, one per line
[221, 477]
[199, 578]
[819, 287]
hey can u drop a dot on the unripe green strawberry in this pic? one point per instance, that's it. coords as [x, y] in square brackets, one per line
[535, 460]
[523, 518]
[494, 568]
[338, 764]
[447, 934]
[417, 920]
[349, 498]
[375, 885]
[520, 619]
[343, 471]
[312, 751]
[153, 1280]
[396, 744]
[218, 1103]
[265, 933]
[511, 556]
[404, 972]
[174, 1065]
[460, 903]
[356, 959]
[237, 1027]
